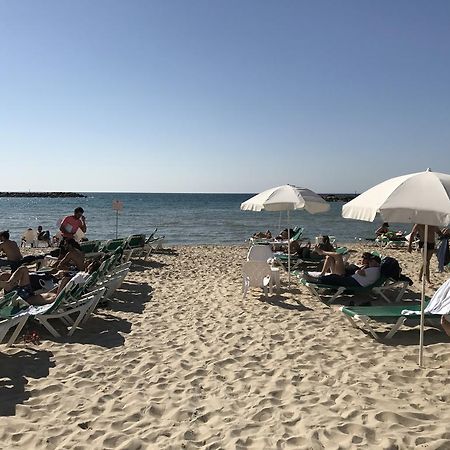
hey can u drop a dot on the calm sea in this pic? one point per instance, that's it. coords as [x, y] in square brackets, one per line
[182, 218]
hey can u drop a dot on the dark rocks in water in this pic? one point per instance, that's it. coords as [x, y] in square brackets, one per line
[338, 197]
[43, 194]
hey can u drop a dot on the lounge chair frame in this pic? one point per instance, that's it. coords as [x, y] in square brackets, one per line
[378, 289]
[389, 314]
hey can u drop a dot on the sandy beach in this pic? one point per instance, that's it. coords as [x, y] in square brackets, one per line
[179, 360]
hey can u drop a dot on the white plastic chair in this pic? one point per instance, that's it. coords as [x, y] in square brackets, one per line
[259, 253]
[256, 274]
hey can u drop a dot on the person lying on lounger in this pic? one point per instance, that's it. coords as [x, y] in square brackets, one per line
[305, 252]
[263, 235]
[73, 260]
[19, 281]
[365, 275]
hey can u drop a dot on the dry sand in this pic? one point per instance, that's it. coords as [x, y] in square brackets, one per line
[179, 360]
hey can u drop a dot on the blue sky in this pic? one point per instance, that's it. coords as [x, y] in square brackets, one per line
[221, 96]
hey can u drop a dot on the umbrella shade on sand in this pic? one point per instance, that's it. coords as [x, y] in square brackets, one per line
[421, 198]
[286, 198]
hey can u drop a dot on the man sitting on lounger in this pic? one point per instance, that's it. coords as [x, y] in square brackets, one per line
[11, 250]
[364, 276]
[73, 260]
[305, 251]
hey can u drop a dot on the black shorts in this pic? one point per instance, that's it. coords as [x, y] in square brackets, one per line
[24, 292]
[338, 280]
[430, 245]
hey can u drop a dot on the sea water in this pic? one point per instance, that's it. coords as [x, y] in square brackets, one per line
[182, 218]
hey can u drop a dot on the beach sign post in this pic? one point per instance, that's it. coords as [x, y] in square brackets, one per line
[117, 206]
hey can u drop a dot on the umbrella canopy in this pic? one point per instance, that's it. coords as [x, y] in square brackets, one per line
[286, 198]
[422, 197]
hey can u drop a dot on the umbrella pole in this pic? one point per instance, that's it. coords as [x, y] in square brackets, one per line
[422, 298]
[289, 252]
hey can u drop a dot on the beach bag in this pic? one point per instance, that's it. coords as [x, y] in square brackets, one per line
[42, 280]
[390, 268]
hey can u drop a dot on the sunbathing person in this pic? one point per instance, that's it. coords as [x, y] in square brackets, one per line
[383, 229]
[364, 276]
[11, 250]
[19, 281]
[305, 252]
[73, 260]
[334, 262]
[263, 235]
[285, 234]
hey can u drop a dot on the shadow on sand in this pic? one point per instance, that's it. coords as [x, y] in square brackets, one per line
[142, 266]
[410, 337]
[15, 368]
[130, 297]
[280, 301]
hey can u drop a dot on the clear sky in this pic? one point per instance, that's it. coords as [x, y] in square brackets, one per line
[221, 96]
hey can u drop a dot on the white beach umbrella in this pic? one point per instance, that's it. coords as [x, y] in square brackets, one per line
[286, 198]
[422, 197]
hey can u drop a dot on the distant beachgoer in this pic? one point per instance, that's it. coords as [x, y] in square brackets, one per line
[43, 236]
[11, 250]
[285, 234]
[263, 235]
[305, 251]
[70, 224]
[419, 230]
[28, 237]
[383, 229]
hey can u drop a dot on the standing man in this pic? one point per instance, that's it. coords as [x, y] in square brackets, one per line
[70, 224]
[419, 229]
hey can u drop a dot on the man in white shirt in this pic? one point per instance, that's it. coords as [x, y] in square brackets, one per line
[364, 276]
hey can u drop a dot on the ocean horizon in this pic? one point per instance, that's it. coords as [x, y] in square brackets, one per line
[184, 218]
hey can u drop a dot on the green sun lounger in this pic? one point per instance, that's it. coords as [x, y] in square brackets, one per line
[377, 288]
[13, 314]
[390, 314]
[112, 245]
